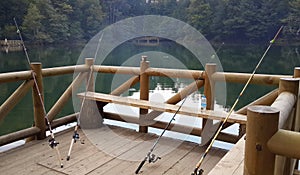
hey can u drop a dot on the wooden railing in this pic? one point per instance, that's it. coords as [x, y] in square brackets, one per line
[271, 145]
[140, 74]
[274, 130]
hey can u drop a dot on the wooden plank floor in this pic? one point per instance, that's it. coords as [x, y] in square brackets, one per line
[233, 161]
[109, 151]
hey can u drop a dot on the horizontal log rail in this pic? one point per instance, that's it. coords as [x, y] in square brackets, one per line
[175, 73]
[18, 135]
[117, 70]
[15, 76]
[286, 143]
[262, 79]
[47, 72]
[33, 131]
[196, 131]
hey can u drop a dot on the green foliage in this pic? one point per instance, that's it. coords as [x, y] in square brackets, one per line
[200, 15]
[54, 21]
[292, 21]
[32, 24]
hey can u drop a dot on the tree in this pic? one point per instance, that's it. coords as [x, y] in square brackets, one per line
[32, 24]
[292, 21]
[261, 18]
[199, 15]
[10, 9]
[59, 23]
[87, 16]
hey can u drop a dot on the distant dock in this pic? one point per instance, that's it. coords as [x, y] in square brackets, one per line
[11, 43]
[147, 41]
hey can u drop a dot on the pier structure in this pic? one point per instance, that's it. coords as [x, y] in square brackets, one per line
[271, 123]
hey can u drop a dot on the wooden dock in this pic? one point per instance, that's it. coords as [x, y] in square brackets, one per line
[122, 157]
[272, 125]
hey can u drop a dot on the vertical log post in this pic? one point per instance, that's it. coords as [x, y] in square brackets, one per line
[209, 88]
[209, 92]
[91, 86]
[285, 165]
[37, 96]
[90, 116]
[297, 115]
[144, 92]
[262, 124]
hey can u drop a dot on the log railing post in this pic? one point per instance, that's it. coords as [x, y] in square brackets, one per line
[90, 116]
[144, 92]
[90, 78]
[297, 113]
[209, 92]
[285, 165]
[262, 124]
[209, 88]
[38, 100]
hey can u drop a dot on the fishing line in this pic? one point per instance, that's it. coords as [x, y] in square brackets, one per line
[152, 158]
[52, 142]
[196, 170]
[75, 136]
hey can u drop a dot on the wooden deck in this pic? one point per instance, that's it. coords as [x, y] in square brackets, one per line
[120, 156]
[233, 161]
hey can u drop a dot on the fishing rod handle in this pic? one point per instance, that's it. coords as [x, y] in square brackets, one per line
[59, 157]
[70, 149]
[140, 166]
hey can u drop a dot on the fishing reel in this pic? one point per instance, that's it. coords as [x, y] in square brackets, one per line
[75, 137]
[153, 158]
[53, 143]
[198, 172]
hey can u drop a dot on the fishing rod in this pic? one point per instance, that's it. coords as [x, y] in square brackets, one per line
[52, 142]
[213, 56]
[198, 171]
[152, 158]
[75, 136]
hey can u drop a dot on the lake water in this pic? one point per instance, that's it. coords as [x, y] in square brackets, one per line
[234, 58]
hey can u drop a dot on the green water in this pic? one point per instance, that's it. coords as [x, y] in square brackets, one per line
[234, 58]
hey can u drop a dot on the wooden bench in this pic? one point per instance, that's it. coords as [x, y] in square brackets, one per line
[164, 107]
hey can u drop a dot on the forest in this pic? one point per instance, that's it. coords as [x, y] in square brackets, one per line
[233, 21]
